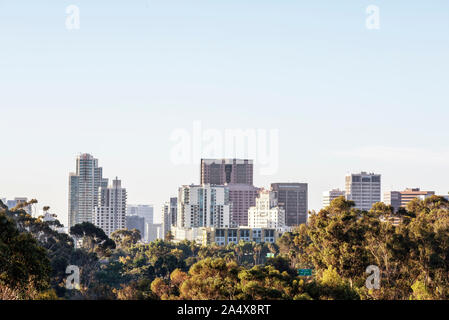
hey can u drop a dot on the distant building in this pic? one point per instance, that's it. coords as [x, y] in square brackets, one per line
[225, 236]
[398, 199]
[364, 189]
[84, 187]
[266, 213]
[154, 231]
[142, 210]
[169, 213]
[329, 196]
[203, 206]
[241, 197]
[18, 200]
[136, 222]
[110, 214]
[293, 198]
[222, 171]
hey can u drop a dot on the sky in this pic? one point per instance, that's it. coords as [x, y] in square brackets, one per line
[341, 97]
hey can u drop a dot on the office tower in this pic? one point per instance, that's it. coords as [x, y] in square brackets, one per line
[18, 200]
[136, 222]
[154, 231]
[169, 212]
[364, 189]
[329, 196]
[84, 186]
[399, 199]
[141, 210]
[293, 198]
[241, 197]
[222, 171]
[203, 206]
[110, 214]
[266, 213]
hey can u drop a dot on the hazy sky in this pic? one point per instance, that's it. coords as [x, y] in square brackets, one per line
[343, 98]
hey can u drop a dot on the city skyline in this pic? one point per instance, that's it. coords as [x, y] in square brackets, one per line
[342, 98]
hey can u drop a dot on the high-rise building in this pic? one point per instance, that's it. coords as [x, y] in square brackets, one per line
[293, 198]
[399, 199]
[222, 171]
[142, 210]
[266, 213]
[154, 231]
[330, 195]
[84, 186]
[364, 189]
[136, 222]
[169, 212]
[203, 206]
[18, 200]
[242, 197]
[110, 214]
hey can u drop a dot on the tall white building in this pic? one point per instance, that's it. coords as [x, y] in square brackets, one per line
[266, 213]
[169, 213]
[110, 214]
[330, 195]
[203, 206]
[154, 231]
[364, 189]
[84, 186]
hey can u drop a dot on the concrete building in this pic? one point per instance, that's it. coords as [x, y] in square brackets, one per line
[154, 231]
[84, 187]
[222, 171]
[398, 199]
[293, 198]
[266, 213]
[136, 222]
[203, 206]
[364, 189]
[225, 236]
[18, 200]
[329, 196]
[241, 197]
[145, 211]
[169, 213]
[110, 214]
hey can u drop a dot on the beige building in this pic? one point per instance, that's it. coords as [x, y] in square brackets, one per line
[266, 213]
[398, 199]
[364, 189]
[330, 195]
[225, 236]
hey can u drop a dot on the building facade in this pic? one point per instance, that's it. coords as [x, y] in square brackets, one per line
[84, 187]
[169, 215]
[110, 214]
[293, 198]
[364, 189]
[203, 206]
[329, 196]
[266, 213]
[223, 171]
[145, 211]
[241, 197]
[154, 231]
[225, 236]
[398, 199]
[136, 222]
